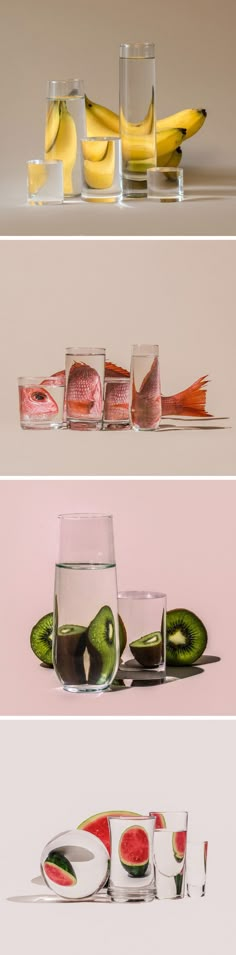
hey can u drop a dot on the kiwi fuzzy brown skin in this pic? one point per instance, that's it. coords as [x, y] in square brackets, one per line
[186, 637]
[147, 650]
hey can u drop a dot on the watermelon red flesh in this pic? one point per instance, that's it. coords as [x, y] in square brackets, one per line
[160, 822]
[179, 845]
[134, 846]
[58, 875]
[99, 826]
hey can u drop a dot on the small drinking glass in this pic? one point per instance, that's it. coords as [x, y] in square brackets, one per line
[165, 183]
[132, 863]
[145, 391]
[65, 127]
[85, 372]
[44, 182]
[170, 840]
[196, 869]
[86, 648]
[116, 403]
[101, 169]
[41, 403]
[144, 616]
[74, 864]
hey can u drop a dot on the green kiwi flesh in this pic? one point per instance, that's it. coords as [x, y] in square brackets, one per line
[186, 637]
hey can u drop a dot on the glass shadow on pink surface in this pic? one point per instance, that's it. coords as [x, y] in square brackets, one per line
[116, 403]
[170, 842]
[85, 372]
[132, 861]
[41, 403]
[85, 618]
[196, 869]
[145, 397]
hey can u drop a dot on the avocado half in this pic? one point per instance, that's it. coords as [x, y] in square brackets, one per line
[148, 650]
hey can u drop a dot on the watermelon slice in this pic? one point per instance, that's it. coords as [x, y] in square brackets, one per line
[179, 845]
[99, 826]
[59, 870]
[160, 822]
[134, 851]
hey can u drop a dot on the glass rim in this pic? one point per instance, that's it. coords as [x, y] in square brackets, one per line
[154, 169]
[81, 516]
[147, 350]
[174, 812]
[117, 379]
[141, 595]
[60, 88]
[40, 381]
[137, 50]
[135, 819]
[100, 139]
[44, 162]
[84, 350]
[194, 843]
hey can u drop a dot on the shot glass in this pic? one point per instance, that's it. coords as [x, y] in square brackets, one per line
[64, 129]
[170, 841]
[101, 169]
[145, 390]
[196, 869]
[44, 182]
[165, 183]
[132, 862]
[74, 864]
[116, 403]
[41, 403]
[85, 372]
[144, 617]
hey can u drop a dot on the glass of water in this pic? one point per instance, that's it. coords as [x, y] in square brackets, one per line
[41, 403]
[85, 620]
[116, 403]
[137, 115]
[44, 182]
[170, 843]
[65, 127]
[196, 869]
[145, 389]
[132, 863]
[101, 169]
[85, 372]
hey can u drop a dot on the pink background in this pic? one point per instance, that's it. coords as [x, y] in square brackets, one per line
[175, 536]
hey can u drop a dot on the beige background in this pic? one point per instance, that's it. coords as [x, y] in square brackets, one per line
[179, 294]
[195, 46]
[58, 773]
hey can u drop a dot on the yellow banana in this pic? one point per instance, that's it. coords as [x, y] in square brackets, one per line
[190, 119]
[52, 124]
[65, 147]
[100, 175]
[167, 141]
[99, 117]
[138, 147]
[95, 151]
[37, 177]
[142, 128]
[175, 158]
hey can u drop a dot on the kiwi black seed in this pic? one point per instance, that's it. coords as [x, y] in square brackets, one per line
[186, 637]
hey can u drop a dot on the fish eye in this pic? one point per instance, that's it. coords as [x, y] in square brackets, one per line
[38, 396]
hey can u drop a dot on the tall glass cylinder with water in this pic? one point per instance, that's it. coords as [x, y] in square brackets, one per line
[85, 618]
[65, 127]
[137, 115]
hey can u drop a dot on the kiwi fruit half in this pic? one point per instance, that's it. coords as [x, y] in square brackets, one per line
[122, 635]
[186, 638]
[148, 650]
[41, 639]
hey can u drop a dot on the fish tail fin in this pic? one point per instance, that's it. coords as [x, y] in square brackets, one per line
[114, 370]
[191, 402]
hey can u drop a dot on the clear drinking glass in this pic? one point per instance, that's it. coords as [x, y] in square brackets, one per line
[137, 115]
[170, 841]
[166, 184]
[85, 371]
[145, 390]
[74, 864]
[85, 621]
[101, 169]
[116, 403]
[144, 617]
[41, 403]
[65, 127]
[196, 869]
[132, 864]
[44, 182]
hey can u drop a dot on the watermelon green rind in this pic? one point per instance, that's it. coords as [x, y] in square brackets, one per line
[179, 845]
[99, 822]
[59, 870]
[136, 871]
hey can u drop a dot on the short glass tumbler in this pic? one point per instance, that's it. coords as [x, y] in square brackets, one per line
[41, 403]
[132, 863]
[137, 115]
[196, 869]
[85, 620]
[101, 169]
[145, 390]
[144, 616]
[65, 127]
[44, 182]
[116, 403]
[166, 184]
[85, 372]
[74, 865]
[170, 840]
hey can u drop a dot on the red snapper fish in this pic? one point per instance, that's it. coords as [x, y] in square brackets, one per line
[146, 403]
[84, 391]
[188, 403]
[37, 401]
